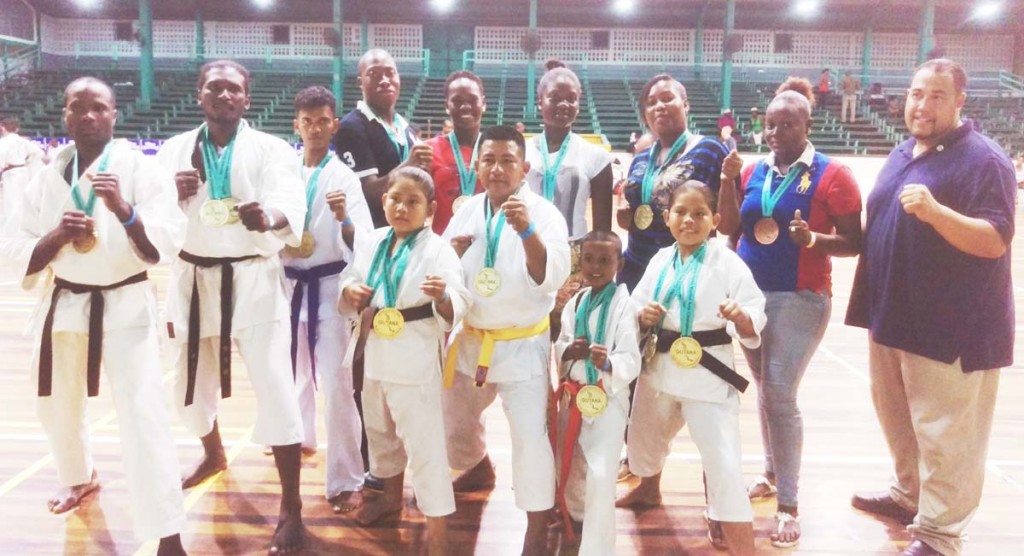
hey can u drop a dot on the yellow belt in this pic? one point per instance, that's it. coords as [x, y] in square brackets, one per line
[488, 337]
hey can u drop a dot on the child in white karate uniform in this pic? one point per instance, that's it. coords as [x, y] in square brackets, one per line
[407, 286]
[597, 348]
[695, 297]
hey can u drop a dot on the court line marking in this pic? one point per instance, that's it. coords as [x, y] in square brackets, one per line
[198, 491]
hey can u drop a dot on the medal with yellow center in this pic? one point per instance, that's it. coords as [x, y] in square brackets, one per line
[650, 348]
[85, 244]
[459, 202]
[591, 400]
[487, 282]
[643, 217]
[686, 352]
[388, 323]
[88, 242]
[307, 245]
[218, 212]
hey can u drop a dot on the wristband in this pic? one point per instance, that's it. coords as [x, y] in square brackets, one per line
[446, 296]
[270, 219]
[814, 238]
[527, 232]
[607, 364]
[131, 219]
[347, 221]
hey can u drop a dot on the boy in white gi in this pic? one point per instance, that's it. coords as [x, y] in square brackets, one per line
[335, 208]
[101, 304]
[244, 200]
[599, 355]
[503, 346]
[20, 160]
[695, 297]
[407, 285]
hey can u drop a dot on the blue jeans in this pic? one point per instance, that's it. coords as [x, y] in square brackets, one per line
[796, 324]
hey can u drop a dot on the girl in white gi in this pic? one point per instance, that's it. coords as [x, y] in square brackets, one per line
[695, 297]
[598, 353]
[95, 220]
[407, 285]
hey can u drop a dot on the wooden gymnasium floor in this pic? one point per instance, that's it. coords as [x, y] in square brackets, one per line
[235, 513]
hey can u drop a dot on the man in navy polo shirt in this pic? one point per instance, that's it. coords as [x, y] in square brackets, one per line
[933, 288]
[374, 139]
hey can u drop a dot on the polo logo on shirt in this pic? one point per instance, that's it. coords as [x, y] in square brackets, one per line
[805, 182]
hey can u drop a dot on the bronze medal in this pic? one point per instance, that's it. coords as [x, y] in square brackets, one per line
[459, 201]
[591, 400]
[766, 231]
[487, 282]
[388, 323]
[643, 216]
[686, 352]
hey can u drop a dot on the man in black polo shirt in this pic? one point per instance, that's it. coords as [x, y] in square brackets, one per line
[373, 139]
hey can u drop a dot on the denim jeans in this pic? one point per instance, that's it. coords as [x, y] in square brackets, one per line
[796, 324]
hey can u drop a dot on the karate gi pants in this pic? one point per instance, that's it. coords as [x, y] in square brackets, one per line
[525, 406]
[714, 426]
[937, 421]
[266, 351]
[131, 366]
[405, 428]
[344, 462]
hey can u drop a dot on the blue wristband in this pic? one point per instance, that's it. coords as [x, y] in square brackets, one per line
[607, 364]
[527, 232]
[131, 219]
[347, 221]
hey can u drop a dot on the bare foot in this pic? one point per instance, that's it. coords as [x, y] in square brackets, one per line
[639, 498]
[379, 507]
[290, 535]
[346, 501]
[171, 546]
[69, 498]
[207, 467]
[480, 477]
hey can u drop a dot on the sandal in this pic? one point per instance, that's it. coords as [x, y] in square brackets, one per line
[761, 488]
[715, 535]
[782, 521]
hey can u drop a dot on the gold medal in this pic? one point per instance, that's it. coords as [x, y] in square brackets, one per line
[643, 217]
[459, 201]
[766, 231]
[307, 246]
[487, 282]
[650, 348]
[591, 400]
[575, 252]
[216, 213]
[388, 322]
[686, 352]
[84, 244]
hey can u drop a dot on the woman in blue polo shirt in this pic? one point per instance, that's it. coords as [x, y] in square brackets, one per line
[799, 209]
[663, 109]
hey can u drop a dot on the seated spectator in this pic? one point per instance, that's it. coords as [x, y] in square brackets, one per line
[895, 108]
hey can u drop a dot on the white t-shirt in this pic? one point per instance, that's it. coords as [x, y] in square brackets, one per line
[583, 162]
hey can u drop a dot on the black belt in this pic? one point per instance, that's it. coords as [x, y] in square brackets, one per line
[95, 353]
[708, 338]
[227, 279]
[309, 277]
[411, 314]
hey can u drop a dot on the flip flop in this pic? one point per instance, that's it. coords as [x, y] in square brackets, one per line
[761, 488]
[782, 520]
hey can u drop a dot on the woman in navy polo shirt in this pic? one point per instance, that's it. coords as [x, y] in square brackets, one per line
[799, 208]
[663, 109]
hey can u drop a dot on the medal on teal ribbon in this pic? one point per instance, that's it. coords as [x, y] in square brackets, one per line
[397, 123]
[643, 216]
[685, 350]
[308, 243]
[219, 209]
[488, 281]
[467, 175]
[591, 400]
[386, 271]
[87, 243]
[766, 229]
[550, 180]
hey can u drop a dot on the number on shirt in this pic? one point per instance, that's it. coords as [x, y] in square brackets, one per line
[348, 159]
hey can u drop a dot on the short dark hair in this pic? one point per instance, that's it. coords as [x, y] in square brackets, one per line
[222, 64]
[462, 74]
[86, 81]
[505, 133]
[642, 99]
[415, 174]
[945, 65]
[314, 97]
[10, 123]
[595, 236]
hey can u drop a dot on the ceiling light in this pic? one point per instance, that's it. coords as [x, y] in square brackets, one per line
[442, 6]
[806, 8]
[624, 7]
[988, 10]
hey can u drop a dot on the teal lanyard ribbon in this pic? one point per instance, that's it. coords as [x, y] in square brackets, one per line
[387, 269]
[467, 176]
[398, 123]
[771, 198]
[218, 167]
[684, 277]
[551, 170]
[83, 205]
[492, 237]
[590, 303]
[654, 169]
[312, 186]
